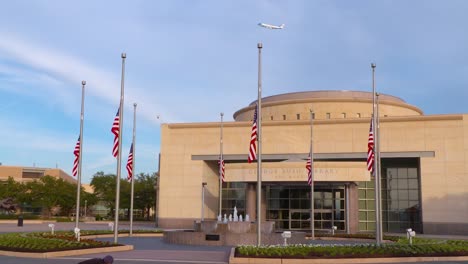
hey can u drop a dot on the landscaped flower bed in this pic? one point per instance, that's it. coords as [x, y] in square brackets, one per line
[45, 242]
[61, 240]
[401, 248]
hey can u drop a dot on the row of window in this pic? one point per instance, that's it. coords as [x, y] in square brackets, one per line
[327, 116]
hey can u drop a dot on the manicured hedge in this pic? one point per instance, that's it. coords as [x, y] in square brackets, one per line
[61, 240]
[400, 248]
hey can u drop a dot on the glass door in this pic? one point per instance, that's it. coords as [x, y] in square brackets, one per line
[299, 219]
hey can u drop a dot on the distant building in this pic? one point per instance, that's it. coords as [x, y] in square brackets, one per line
[424, 166]
[27, 174]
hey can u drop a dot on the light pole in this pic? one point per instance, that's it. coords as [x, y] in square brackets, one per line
[85, 204]
[203, 201]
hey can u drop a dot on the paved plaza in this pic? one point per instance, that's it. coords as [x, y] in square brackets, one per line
[146, 249]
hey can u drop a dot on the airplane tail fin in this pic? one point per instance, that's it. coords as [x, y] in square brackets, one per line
[282, 26]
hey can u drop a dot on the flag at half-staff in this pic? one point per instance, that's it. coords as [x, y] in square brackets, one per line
[370, 149]
[76, 152]
[221, 169]
[253, 139]
[309, 170]
[130, 164]
[116, 131]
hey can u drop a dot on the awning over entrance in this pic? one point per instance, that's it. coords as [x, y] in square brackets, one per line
[352, 156]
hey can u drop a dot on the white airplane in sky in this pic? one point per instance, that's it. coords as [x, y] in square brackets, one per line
[271, 26]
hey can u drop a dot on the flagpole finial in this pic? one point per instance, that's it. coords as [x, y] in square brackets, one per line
[222, 114]
[124, 55]
[373, 65]
[83, 82]
[259, 45]
[134, 104]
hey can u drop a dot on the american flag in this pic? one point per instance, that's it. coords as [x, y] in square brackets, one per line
[116, 130]
[130, 164]
[309, 170]
[221, 168]
[253, 139]
[370, 149]
[77, 157]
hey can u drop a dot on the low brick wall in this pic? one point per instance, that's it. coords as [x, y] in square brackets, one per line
[229, 239]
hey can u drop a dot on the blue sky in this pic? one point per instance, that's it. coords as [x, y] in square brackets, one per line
[187, 61]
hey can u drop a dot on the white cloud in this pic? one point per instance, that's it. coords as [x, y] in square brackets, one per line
[55, 66]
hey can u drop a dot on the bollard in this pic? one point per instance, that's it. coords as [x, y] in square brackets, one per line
[20, 220]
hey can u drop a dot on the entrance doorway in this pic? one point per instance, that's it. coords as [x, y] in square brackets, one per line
[289, 207]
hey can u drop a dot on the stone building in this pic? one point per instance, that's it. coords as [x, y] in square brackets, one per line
[423, 166]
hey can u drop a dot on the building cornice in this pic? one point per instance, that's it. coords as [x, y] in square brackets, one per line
[424, 118]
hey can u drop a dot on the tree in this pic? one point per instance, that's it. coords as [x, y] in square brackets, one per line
[67, 198]
[145, 193]
[11, 189]
[49, 192]
[104, 189]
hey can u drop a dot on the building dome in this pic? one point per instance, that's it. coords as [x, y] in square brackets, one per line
[326, 105]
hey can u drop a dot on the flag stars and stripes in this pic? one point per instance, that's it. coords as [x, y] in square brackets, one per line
[76, 152]
[116, 131]
[370, 149]
[130, 164]
[253, 139]
[221, 169]
[309, 170]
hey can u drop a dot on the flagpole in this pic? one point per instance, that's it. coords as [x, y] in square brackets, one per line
[119, 155]
[259, 151]
[78, 185]
[312, 218]
[378, 166]
[220, 168]
[133, 168]
[378, 224]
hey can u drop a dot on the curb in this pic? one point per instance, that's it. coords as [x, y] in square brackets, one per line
[66, 252]
[123, 235]
[234, 260]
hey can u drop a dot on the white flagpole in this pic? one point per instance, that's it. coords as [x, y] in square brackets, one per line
[378, 221]
[78, 184]
[220, 168]
[259, 140]
[119, 155]
[379, 172]
[133, 169]
[312, 218]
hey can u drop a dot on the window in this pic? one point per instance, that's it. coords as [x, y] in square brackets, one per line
[401, 203]
[234, 195]
[298, 116]
[313, 115]
[343, 115]
[32, 175]
[328, 115]
[284, 117]
[358, 115]
[271, 118]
